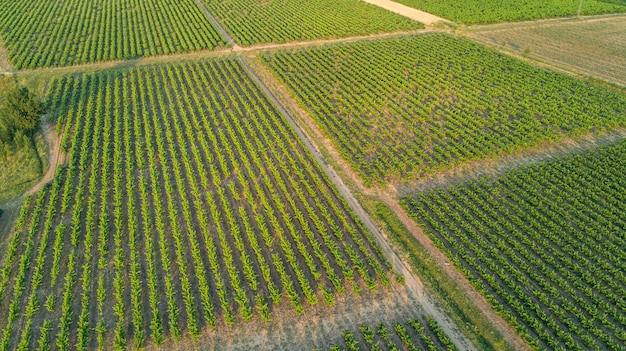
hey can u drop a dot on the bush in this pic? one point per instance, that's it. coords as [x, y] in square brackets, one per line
[19, 113]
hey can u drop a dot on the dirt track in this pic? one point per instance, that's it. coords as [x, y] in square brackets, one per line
[409, 12]
[55, 156]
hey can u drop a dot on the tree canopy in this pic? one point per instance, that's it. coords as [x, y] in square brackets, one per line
[20, 113]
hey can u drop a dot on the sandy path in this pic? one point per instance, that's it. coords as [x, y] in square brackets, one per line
[406, 11]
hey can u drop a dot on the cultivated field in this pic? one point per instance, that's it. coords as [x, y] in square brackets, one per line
[278, 21]
[594, 47]
[416, 334]
[188, 203]
[402, 108]
[544, 244]
[51, 33]
[491, 11]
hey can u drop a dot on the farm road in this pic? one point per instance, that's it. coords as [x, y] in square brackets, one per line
[406, 11]
[55, 155]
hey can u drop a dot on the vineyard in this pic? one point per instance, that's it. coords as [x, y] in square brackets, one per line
[574, 45]
[491, 11]
[52, 33]
[187, 203]
[402, 108]
[412, 336]
[278, 21]
[544, 244]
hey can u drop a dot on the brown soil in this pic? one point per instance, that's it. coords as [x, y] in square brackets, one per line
[318, 327]
[409, 12]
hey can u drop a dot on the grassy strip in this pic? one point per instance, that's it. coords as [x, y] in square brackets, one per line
[463, 312]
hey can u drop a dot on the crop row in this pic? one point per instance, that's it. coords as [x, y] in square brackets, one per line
[415, 335]
[403, 108]
[278, 21]
[490, 11]
[51, 33]
[545, 244]
[187, 203]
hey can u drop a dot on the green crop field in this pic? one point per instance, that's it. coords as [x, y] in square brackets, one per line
[544, 244]
[52, 33]
[491, 11]
[188, 202]
[414, 335]
[278, 21]
[406, 107]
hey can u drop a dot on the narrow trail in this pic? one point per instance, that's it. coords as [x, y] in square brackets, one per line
[409, 12]
[55, 156]
[412, 282]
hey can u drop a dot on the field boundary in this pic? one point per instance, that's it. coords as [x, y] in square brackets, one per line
[206, 54]
[551, 59]
[546, 63]
[501, 164]
[491, 27]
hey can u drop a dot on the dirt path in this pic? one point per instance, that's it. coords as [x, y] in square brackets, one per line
[406, 11]
[412, 282]
[55, 156]
[217, 25]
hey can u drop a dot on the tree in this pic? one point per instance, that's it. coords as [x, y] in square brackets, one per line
[21, 109]
[20, 114]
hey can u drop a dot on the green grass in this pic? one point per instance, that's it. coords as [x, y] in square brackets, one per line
[278, 21]
[403, 108]
[492, 11]
[544, 244]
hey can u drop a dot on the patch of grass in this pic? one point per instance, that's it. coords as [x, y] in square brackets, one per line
[21, 167]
